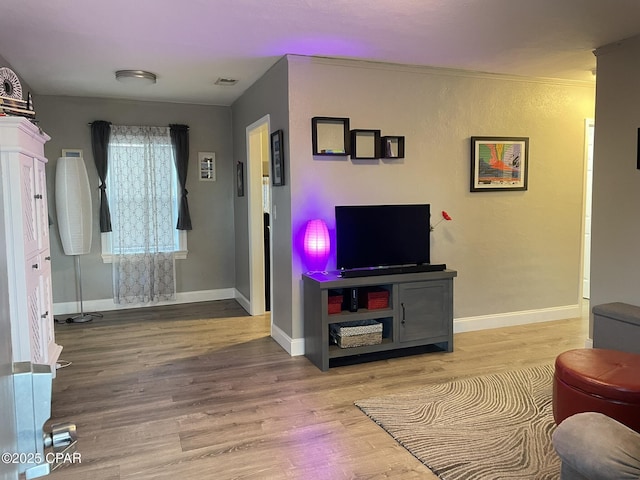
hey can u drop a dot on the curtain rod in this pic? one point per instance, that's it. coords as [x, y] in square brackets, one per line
[91, 123]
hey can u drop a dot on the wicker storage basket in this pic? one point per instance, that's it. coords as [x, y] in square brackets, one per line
[356, 334]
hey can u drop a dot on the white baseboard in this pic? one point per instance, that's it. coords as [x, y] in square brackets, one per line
[469, 324]
[510, 319]
[106, 304]
[294, 347]
[242, 300]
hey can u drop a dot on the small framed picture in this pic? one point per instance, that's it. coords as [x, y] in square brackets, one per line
[207, 165]
[240, 179]
[499, 163]
[72, 152]
[277, 159]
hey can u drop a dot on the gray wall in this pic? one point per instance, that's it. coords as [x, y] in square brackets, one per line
[267, 96]
[615, 262]
[209, 265]
[514, 251]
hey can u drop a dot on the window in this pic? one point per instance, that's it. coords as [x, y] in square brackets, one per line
[142, 187]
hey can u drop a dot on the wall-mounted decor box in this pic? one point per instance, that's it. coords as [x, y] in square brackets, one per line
[365, 144]
[330, 136]
[392, 147]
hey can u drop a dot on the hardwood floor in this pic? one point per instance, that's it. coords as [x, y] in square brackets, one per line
[201, 391]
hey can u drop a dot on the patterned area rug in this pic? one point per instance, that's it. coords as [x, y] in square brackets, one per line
[489, 427]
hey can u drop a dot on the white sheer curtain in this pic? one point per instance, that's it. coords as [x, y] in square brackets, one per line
[142, 191]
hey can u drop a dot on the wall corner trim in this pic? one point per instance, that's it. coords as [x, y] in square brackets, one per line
[293, 346]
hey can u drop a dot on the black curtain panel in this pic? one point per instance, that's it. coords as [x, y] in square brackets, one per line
[100, 133]
[180, 141]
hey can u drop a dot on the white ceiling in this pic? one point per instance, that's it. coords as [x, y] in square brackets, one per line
[73, 47]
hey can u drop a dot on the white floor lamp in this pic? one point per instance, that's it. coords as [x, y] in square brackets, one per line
[73, 209]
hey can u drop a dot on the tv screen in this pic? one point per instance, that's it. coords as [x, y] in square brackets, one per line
[382, 235]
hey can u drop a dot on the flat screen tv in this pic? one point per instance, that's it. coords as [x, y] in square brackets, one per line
[369, 236]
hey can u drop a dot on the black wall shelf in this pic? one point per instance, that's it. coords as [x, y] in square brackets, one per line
[365, 144]
[392, 147]
[330, 136]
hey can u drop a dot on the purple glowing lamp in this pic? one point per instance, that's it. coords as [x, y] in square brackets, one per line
[316, 244]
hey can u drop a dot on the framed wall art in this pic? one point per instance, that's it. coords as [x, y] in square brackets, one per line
[499, 163]
[207, 165]
[240, 179]
[72, 152]
[277, 159]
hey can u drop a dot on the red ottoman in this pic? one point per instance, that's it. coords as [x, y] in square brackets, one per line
[598, 380]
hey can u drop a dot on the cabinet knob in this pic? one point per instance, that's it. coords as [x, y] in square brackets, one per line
[34, 266]
[45, 314]
[47, 258]
[38, 196]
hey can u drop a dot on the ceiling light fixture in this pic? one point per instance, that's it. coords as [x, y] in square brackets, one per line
[227, 82]
[139, 77]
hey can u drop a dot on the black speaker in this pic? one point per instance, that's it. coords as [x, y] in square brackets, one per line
[353, 299]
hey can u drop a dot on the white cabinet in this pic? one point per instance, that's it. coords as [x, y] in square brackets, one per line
[25, 241]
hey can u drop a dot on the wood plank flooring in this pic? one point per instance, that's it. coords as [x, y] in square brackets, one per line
[201, 391]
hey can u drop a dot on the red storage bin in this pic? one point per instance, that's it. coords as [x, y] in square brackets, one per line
[374, 298]
[335, 303]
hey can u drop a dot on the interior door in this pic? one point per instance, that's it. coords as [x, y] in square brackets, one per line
[256, 134]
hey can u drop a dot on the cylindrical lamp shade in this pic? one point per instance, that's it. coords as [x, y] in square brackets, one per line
[73, 205]
[316, 244]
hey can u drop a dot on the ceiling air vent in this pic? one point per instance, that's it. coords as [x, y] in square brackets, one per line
[226, 82]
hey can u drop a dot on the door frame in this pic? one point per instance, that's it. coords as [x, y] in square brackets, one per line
[256, 135]
[585, 284]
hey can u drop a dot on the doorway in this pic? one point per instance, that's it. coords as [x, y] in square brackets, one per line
[259, 207]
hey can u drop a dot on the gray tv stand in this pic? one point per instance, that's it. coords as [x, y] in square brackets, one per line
[420, 313]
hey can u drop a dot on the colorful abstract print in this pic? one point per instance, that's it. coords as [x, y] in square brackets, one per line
[499, 163]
